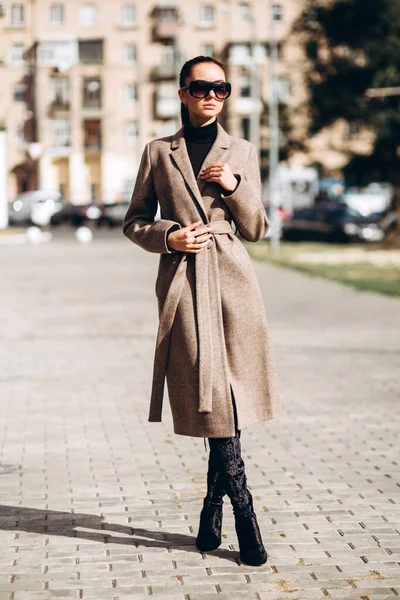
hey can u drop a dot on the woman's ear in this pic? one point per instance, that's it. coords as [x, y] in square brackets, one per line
[182, 96]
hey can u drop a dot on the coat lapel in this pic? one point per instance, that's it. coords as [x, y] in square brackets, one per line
[181, 158]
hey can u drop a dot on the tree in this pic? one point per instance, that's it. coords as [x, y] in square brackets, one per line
[289, 142]
[352, 46]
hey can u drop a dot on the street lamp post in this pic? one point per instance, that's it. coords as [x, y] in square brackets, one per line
[3, 179]
[273, 133]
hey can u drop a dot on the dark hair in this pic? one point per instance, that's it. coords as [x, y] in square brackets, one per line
[185, 73]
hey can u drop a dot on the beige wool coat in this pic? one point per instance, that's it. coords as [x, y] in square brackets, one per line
[213, 335]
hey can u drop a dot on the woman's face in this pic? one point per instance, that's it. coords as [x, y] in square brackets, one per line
[203, 110]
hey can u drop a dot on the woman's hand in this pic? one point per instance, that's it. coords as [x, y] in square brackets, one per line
[222, 174]
[193, 238]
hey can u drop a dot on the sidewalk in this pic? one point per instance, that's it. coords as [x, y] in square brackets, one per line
[97, 503]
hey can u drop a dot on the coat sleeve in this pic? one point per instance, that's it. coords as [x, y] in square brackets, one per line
[139, 225]
[245, 202]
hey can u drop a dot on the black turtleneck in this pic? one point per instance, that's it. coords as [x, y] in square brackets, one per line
[198, 142]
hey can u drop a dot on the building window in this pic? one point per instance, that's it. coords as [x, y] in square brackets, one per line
[62, 132]
[91, 52]
[92, 134]
[60, 92]
[244, 84]
[63, 188]
[244, 12]
[208, 50]
[277, 13]
[17, 54]
[239, 54]
[17, 15]
[245, 126]
[91, 92]
[206, 15]
[128, 15]
[20, 90]
[130, 54]
[88, 15]
[57, 14]
[94, 193]
[167, 101]
[167, 14]
[131, 131]
[130, 93]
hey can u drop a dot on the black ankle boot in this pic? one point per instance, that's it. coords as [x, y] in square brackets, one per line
[252, 551]
[209, 536]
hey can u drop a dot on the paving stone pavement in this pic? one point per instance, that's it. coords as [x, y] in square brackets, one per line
[96, 503]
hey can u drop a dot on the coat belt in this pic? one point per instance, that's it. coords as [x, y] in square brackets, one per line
[205, 260]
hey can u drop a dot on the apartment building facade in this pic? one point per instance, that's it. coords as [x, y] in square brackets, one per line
[86, 83]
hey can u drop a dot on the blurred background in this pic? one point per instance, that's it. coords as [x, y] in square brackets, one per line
[316, 87]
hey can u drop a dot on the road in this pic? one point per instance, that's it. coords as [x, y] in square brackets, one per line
[97, 503]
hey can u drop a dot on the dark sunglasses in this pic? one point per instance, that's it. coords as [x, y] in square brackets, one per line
[201, 89]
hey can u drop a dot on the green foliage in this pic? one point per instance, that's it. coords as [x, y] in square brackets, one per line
[351, 46]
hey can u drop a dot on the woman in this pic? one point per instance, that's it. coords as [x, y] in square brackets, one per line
[212, 343]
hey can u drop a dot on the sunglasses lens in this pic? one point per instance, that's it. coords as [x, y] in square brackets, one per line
[221, 91]
[199, 90]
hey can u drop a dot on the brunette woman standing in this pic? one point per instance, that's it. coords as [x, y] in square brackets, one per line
[212, 345]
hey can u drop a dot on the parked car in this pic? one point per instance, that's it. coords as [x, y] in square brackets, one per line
[35, 207]
[332, 223]
[371, 201]
[112, 215]
[76, 215]
[389, 221]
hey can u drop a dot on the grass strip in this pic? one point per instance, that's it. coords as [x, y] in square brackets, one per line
[363, 276]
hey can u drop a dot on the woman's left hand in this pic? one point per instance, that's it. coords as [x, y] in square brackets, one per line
[222, 174]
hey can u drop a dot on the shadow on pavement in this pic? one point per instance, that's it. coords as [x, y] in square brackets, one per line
[68, 524]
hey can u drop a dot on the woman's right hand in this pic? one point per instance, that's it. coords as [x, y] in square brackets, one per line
[193, 238]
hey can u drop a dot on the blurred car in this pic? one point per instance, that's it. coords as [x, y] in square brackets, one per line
[331, 188]
[331, 223]
[35, 207]
[389, 221]
[372, 200]
[112, 215]
[76, 215]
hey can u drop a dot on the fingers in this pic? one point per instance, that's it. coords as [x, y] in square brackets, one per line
[193, 225]
[212, 170]
[195, 237]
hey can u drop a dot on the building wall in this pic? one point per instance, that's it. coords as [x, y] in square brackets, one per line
[97, 158]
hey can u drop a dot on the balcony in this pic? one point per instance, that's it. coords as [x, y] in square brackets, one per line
[165, 70]
[165, 31]
[166, 23]
[57, 106]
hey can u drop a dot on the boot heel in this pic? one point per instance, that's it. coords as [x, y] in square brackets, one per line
[252, 551]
